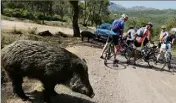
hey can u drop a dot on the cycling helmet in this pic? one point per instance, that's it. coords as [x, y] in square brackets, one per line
[150, 23]
[163, 26]
[124, 16]
[131, 26]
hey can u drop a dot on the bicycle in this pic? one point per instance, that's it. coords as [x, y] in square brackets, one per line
[165, 59]
[109, 51]
[147, 53]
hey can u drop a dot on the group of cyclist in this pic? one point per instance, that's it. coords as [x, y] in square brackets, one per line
[138, 37]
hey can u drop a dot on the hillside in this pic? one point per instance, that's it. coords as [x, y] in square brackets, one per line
[138, 15]
[116, 7]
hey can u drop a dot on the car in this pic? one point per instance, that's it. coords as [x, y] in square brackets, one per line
[103, 31]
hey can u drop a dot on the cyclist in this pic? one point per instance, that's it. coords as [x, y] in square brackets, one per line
[131, 35]
[142, 37]
[167, 44]
[117, 27]
[163, 35]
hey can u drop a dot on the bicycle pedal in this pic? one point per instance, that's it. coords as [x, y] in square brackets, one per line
[115, 65]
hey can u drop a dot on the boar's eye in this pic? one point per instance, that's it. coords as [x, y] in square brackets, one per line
[84, 60]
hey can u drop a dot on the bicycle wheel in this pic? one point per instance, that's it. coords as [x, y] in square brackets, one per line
[151, 59]
[168, 57]
[108, 54]
[129, 53]
[162, 62]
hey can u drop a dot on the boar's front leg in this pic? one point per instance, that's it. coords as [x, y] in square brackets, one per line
[48, 90]
[17, 81]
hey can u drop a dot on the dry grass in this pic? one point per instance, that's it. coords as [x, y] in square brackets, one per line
[16, 31]
[32, 30]
[8, 37]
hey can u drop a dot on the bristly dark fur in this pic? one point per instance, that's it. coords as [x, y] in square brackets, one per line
[87, 34]
[49, 64]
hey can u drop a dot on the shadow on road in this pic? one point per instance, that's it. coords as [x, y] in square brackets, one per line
[100, 43]
[37, 97]
[154, 68]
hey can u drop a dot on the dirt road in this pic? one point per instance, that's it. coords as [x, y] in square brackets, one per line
[127, 85]
[122, 84]
[24, 26]
[8, 25]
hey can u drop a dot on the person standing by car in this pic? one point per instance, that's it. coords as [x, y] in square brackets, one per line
[167, 44]
[118, 28]
[131, 35]
[163, 35]
[142, 37]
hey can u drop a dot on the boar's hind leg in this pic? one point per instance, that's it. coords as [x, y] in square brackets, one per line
[17, 86]
[49, 91]
[82, 38]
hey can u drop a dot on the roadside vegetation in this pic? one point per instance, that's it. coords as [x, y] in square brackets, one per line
[88, 13]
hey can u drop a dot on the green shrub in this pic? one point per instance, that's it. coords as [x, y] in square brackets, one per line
[8, 11]
[21, 13]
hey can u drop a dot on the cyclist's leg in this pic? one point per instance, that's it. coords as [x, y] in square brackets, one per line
[120, 44]
[145, 41]
[115, 39]
[159, 45]
[169, 49]
[162, 48]
[136, 51]
[105, 46]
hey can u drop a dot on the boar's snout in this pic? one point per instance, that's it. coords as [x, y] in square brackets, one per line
[80, 81]
[89, 92]
[92, 95]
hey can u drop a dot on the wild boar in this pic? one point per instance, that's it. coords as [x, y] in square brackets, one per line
[50, 64]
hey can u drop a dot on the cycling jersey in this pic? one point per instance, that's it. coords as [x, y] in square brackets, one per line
[170, 38]
[167, 44]
[146, 34]
[163, 36]
[117, 25]
[131, 34]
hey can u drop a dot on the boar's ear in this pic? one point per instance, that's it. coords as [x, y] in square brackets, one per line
[84, 60]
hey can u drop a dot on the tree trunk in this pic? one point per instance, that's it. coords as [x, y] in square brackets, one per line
[75, 18]
[93, 15]
[85, 15]
[50, 8]
[2, 8]
[101, 3]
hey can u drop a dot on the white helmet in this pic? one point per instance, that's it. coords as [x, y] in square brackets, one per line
[124, 16]
[150, 23]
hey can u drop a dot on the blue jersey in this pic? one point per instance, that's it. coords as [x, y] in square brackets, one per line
[117, 25]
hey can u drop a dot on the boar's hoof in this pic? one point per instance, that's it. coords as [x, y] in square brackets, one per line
[91, 96]
[26, 99]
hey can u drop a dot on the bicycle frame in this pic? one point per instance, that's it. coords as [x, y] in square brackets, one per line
[149, 53]
[110, 48]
